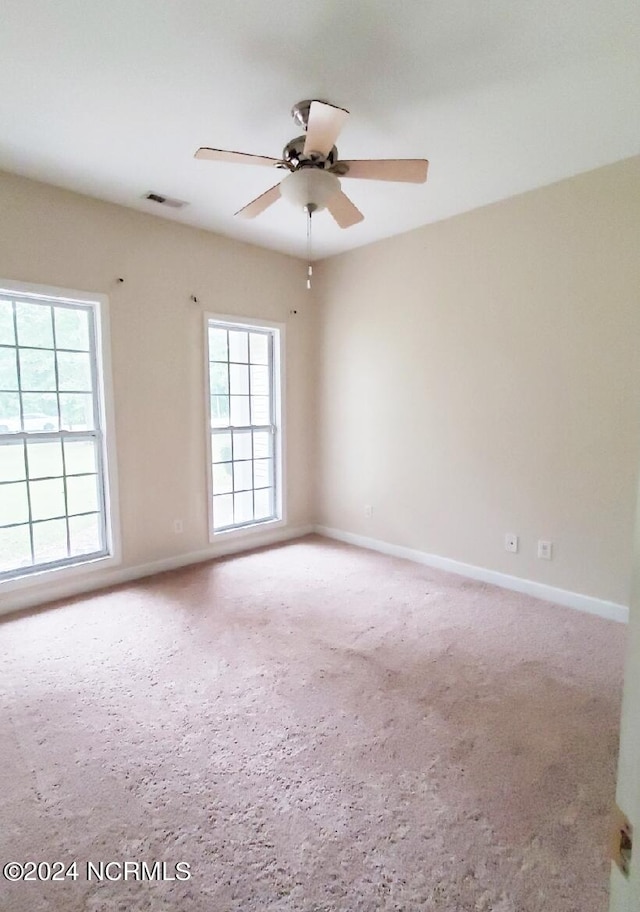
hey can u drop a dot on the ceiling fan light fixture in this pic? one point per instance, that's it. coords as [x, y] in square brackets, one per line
[309, 188]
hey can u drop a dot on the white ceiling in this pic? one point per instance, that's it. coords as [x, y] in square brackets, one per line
[112, 97]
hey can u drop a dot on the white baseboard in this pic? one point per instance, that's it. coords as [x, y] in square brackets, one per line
[40, 594]
[610, 610]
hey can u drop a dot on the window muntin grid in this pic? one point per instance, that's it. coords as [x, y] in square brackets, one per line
[242, 424]
[52, 495]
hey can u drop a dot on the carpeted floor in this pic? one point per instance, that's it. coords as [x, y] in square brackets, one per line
[311, 727]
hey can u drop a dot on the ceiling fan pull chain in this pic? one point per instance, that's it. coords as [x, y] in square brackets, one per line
[309, 266]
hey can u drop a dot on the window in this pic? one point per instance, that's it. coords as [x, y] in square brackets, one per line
[244, 397]
[53, 492]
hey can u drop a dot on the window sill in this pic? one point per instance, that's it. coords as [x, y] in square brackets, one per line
[54, 575]
[246, 531]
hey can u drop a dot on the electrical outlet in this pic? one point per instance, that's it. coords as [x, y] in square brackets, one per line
[511, 543]
[177, 527]
[368, 511]
[545, 550]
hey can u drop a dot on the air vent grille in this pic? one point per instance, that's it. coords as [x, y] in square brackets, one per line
[164, 200]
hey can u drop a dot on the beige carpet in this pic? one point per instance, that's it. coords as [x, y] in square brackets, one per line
[311, 727]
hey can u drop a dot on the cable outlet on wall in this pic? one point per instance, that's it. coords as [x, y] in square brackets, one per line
[368, 511]
[511, 543]
[545, 550]
[177, 527]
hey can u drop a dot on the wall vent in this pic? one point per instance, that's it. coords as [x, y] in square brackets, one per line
[164, 200]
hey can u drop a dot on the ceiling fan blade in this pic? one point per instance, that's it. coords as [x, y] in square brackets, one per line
[343, 210]
[324, 125]
[260, 203]
[239, 158]
[411, 170]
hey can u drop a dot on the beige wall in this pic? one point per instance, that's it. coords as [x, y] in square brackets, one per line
[53, 237]
[482, 376]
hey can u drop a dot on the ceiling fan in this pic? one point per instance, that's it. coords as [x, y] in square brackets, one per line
[313, 181]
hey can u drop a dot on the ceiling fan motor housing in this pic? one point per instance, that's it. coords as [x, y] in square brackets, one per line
[293, 153]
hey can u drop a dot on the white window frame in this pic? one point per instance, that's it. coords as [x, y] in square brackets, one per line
[31, 577]
[233, 321]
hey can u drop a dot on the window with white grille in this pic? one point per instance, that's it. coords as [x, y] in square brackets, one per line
[244, 406]
[52, 457]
